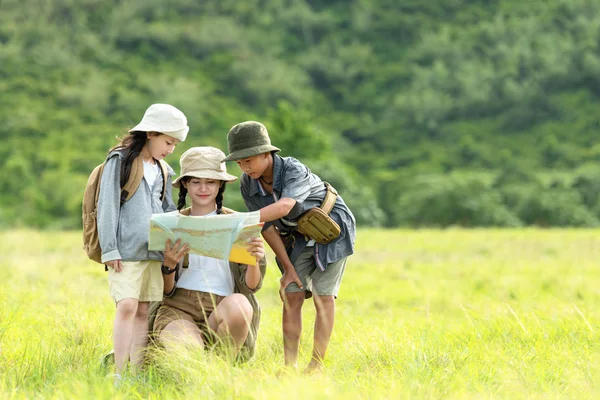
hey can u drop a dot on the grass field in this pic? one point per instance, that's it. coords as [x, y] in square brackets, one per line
[422, 314]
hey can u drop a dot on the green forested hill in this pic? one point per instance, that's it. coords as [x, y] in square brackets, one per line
[421, 112]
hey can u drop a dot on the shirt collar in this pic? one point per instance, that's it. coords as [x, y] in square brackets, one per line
[277, 166]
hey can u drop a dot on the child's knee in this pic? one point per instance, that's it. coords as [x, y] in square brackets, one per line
[324, 301]
[294, 300]
[239, 308]
[324, 304]
[127, 308]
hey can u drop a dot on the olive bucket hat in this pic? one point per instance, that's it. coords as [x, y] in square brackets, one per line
[203, 162]
[248, 139]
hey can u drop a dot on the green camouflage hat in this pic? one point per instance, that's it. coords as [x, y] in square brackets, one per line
[248, 139]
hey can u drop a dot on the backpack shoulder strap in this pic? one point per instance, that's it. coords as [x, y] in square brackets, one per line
[99, 169]
[135, 178]
[165, 174]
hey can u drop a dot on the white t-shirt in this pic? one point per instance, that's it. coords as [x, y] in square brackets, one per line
[207, 274]
[151, 172]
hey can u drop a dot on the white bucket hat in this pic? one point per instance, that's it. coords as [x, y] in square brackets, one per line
[203, 162]
[164, 118]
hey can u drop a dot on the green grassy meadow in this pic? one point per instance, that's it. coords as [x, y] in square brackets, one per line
[422, 314]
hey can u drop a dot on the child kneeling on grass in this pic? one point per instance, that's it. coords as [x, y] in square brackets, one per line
[208, 301]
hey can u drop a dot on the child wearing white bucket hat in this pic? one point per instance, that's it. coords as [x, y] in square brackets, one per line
[208, 300]
[124, 221]
[165, 119]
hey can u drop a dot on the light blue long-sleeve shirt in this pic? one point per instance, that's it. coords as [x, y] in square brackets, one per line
[123, 230]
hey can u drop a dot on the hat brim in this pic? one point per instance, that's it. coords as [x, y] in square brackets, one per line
[207, 174]
[250, 152]
[180, 134]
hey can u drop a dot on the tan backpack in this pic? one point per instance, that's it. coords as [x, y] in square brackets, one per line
[89, 208]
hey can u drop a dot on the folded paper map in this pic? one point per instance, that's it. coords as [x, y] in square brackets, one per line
[223, 236]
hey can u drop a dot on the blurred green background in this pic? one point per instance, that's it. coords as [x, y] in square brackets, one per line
[420, 112]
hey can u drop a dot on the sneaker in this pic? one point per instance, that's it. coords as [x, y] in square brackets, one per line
[117, 380]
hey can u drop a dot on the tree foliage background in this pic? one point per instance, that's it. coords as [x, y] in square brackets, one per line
[420, 112]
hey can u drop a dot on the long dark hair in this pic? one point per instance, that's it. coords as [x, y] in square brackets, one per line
[132, 144]
[183, 193]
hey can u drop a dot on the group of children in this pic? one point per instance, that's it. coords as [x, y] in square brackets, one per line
[203, 301]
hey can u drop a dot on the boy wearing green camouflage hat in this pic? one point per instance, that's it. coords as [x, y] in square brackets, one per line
[284, 190]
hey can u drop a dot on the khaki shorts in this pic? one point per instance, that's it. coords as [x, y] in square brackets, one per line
[321, 283]
[188, 305]
[141, 280]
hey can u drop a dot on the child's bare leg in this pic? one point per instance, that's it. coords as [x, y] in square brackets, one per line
[231, 320]
[325, 306]
[181, 332]
[139, 339]
[123, 330]
[292, 327]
